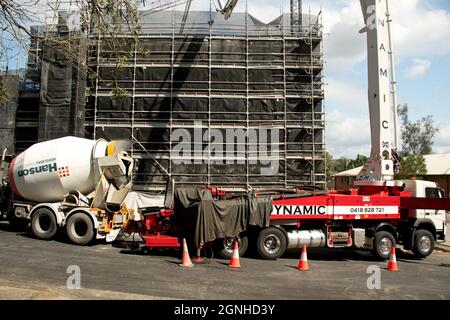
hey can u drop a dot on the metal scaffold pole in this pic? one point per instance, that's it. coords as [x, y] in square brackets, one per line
[233, 76]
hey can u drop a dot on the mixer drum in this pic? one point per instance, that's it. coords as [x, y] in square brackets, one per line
[47, 171]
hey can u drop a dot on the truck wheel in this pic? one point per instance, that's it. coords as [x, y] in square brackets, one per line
[43, 224]
[225, 246]
[423, 243]
[80, 229]
[271, 243]
[382, 244]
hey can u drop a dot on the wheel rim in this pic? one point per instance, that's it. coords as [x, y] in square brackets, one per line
[424, 244]
[272, 243]
[44, 223]
[385, 246]
[80, 228]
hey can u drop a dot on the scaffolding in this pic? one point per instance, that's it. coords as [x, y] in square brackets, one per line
[51, 96]
[213, 74]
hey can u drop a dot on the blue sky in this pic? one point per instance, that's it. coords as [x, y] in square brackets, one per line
[421, 33]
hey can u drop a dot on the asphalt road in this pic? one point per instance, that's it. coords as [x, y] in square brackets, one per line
[35, 269]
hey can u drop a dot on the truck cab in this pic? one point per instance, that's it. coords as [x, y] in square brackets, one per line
[428, 189]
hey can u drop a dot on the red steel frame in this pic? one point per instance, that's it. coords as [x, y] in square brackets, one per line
[368, 203]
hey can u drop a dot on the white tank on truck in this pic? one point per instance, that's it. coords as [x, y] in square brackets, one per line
[48, 171]
[71, 183]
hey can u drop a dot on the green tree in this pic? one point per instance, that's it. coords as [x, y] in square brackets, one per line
[344, 164]
[105, 18]
[358, 162]
[417, 136]
[341, 164]
[3, 92]
[329, 163]
[412, 166]
[417, 141]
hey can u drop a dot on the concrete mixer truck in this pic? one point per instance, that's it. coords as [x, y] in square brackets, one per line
[70, 183]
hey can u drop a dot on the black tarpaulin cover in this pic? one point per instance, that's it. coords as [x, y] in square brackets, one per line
[204, 219]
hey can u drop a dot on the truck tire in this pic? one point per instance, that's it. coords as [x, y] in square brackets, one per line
[80, 229]
[225, 246]
[271, 243]
[423, 243]
[382, 244]
[43, 224]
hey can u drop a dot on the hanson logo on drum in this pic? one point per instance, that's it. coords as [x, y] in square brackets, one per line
[38, 169]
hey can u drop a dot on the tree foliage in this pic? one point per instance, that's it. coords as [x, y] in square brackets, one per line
[412, 166]
[417, 136]
[329, 163]
[417, 141]
[335, 166]
[109, 19]
[4, 95]
[105, 18]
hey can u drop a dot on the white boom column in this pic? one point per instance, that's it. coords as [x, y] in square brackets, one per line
[396, 144]
[379, 167]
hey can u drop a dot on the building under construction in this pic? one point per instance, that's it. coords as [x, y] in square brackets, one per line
[179, 83]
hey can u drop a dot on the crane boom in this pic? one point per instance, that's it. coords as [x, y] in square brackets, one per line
[379, 167]
[227, 9]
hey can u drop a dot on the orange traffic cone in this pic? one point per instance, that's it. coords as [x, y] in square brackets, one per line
[234, 261]
[186, 260]
[303, 263]
[392, 264]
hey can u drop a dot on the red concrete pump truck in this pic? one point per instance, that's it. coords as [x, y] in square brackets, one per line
[377, 214]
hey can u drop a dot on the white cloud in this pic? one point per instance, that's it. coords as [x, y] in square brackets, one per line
[419, 67]
[344, 47]
[419, 29]
[442, 139]
[347, 135]
[346, 94]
